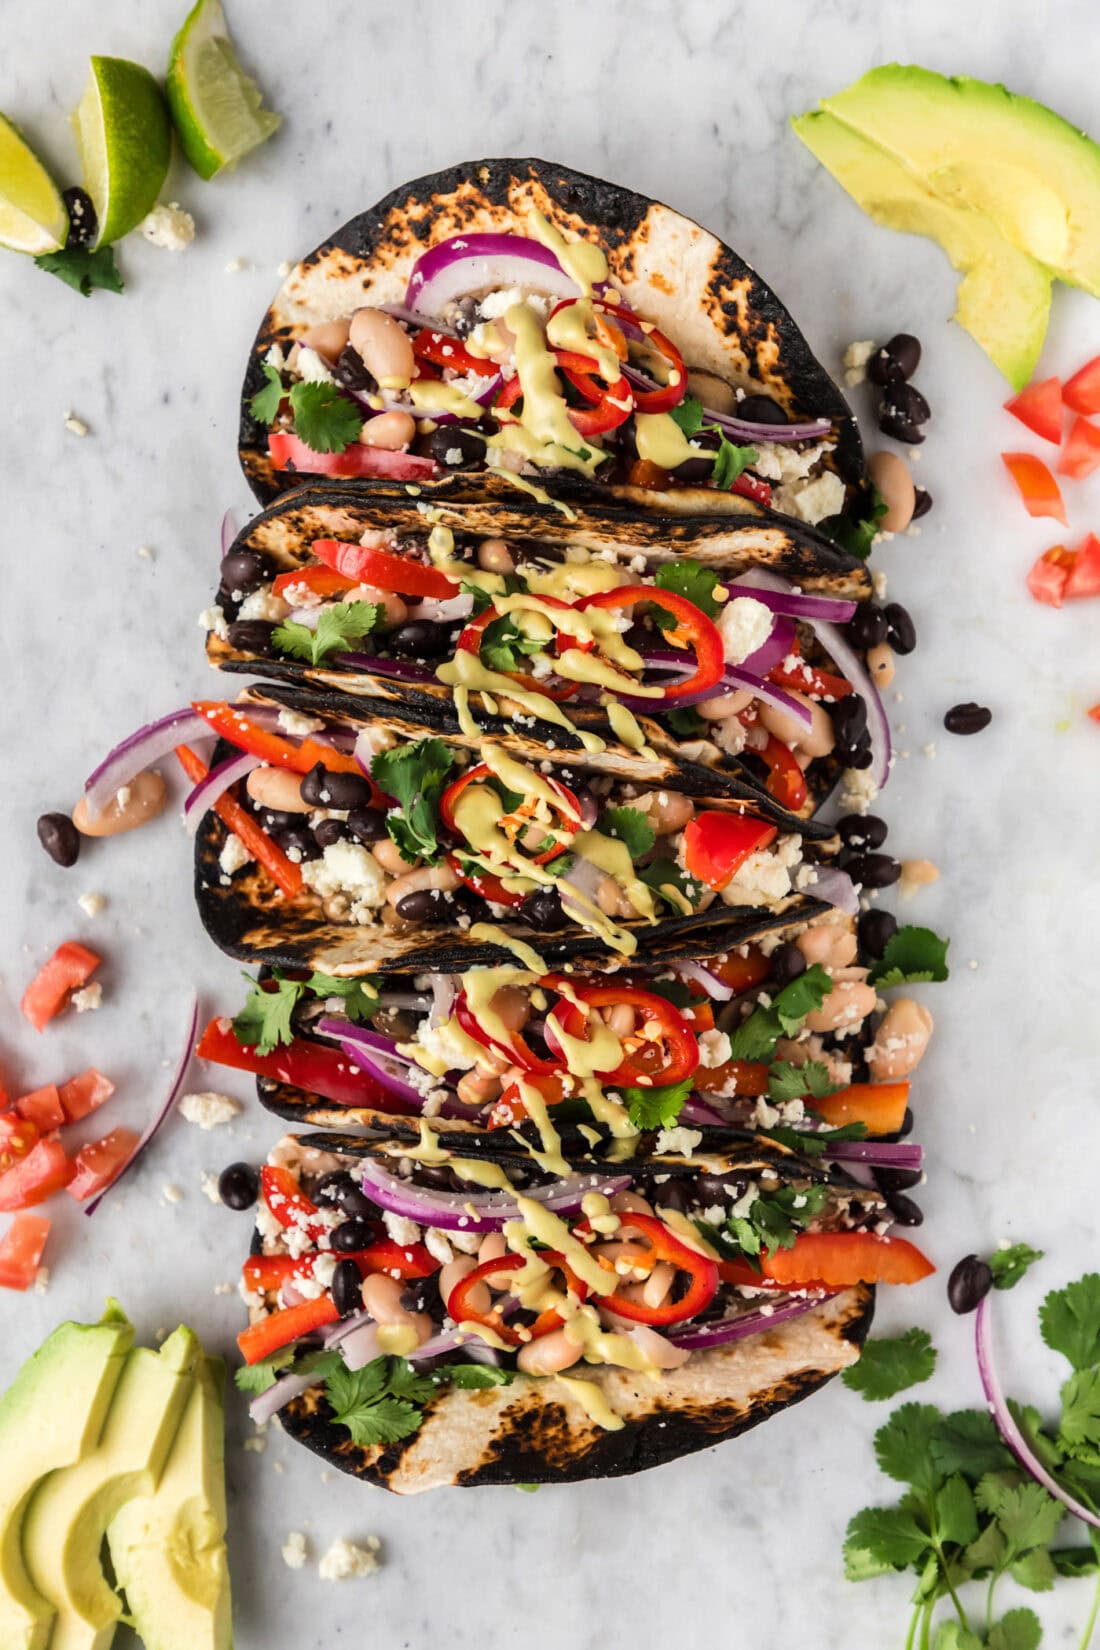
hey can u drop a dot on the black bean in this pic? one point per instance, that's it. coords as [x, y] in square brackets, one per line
[673, 1195]
[422, 1295]
[693, 469]
[274, 819]
[419, 640]
[903, 1209]
[253, 636]
[875, 870]
[862, 830]
[322, 788]
[542, 910]
[351, 1235]
[82, 217]
[897, 359]
[424, 905]
[350, 371]
[330, 1189]
[902, 632]
[366, 824]
[244, 570]
[904, 410]
[867, 627]
[719, 1188]
[907, 1123]
[922, 502]
[239, 1186]
[849, 718]
[357, 1205]
[328, 831]
[457, 446]
[876, 930]
[787, 963]
[897, 1180]
[347, 1288]
[60, 838]
[969, 1284]
[299, 843]
[968, 718]
[854, 756]
[760, 409]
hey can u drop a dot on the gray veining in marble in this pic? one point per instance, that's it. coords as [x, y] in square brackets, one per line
[689, 102]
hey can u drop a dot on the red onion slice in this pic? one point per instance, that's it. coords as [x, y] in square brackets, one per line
[451, 1211]
[700, 975]
[741, 429]
[475, 263]
[135, 754]
[399, 670]
[774, 650]
[414, 318]
[380, 1062]
[835, 887]
[706, 1335]
[694, 1111]
[876, 1154]
[214, 786]
[1006, 1423]
[734, 678]
[360, 1347]
[162, 1113]
[777, 594]
[287, 1387]
[228, 531]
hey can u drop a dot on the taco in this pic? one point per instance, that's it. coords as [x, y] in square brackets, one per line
[417, 852]
[566, 335]
[719, 641]
[444, 1315]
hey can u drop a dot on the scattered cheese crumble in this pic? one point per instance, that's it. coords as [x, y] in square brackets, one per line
[209, 1184]
[169, 227]
[92, 904]
[172, 1194]
[89, 998]
[294, 1547]
[75, 425]
[345, 1560]
[234, 855]
[208, 1109]
[856, 357]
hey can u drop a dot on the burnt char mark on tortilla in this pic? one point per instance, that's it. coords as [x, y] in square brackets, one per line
[736, 315]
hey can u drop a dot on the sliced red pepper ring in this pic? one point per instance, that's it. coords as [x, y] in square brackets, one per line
[517, 1050]
[279, 1329]
[692, 625]
[460, 1309]
[229, 722]
[367, 564]
[664, 1245]
[609, 404]
[319, 1068]
[670, 394]
[662, 1049]
[514, 824]
[483, 883]
[717, 844]
[451, 354]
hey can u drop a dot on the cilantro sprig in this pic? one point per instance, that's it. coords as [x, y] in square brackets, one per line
[416, 777]
[756, 1037]
[657, 1107]
[83, 270]
[857, 537]
[631, 827]
[324, 418]
[888, 1366]
[912, 956]
[338, 627]
[690, 579]
[667, 879]
[384, 1401]
[264, 1021]
[729, 461]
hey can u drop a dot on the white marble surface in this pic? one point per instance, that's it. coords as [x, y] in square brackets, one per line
[690, 103]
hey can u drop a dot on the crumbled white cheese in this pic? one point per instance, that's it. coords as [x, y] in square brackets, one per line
[344, 1560]
[878, 583]
[765, 876]
[283, 270]
[89, 998]
[169, 227]
[224, 1289]
[777, 461]
[264, 604]
[234, 855]
[312, 368]
[680, 1141]
[266, 1224]
[146, 552]
[856, 357]
[765, 1116]
[402, 1231]
[294, 1550]
[858, 790]
[209, 1109]
[209, 1185]
[745, 625]
[292, 721]
[814, 500]
[255, 1446]
[438, 1246]
[172, 1194]
[41, 1280]
[347, 868]
[714, 1048]
[236, 265]
[275, 357]
[75, 425]
[92, 904]
[212, 618]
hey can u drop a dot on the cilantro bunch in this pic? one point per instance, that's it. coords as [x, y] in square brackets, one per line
[265, 1021]
[416, 777]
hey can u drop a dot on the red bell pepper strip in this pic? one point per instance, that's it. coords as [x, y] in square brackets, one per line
[84, 1094]
[664, 1245]
[450, 353]
[609, 404]
[21, 1251]
[750, 486]
[43, 1171]
[749, 1078]
[699, 632]
[513, 824]
[287, 1202]
[18, 1137]
[289, 452]
[739, 972]
[263, 848]
[231, 723]
[1039, 406]
[483, 883]
[100, 1162]
[510, 1109]
[408, 1261]
[785, 781]
[70, 967]
[385, 571]
[673, 391]
[1081, 393]
[458, 1301]
[804, 678]
[322, 581]
[840, 1259]
[662, 1049]
[42, 1107]
[1081, 453]
[1036, 486]
[879, 1106]
[516, 1050]
[278, 1329]
[319, 1068]
[1049, 575]
[716, 845]
[1093, 713]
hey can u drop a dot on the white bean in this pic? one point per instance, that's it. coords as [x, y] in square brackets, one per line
[494, 556]
[666, 811]
[388, 855]
[493, 1245]
[428, 877]
[658, 1284]
[475, 1088]
[549, 1354]
[133, 805]
[890, 475]
[382, 1299]
[880, 664]
[828, 944]
[383, 346]
[328, 338]
[452, 1274]
[900, 1041]
[725, 705]
[660, 1352]
[612, 901]
[620, 1019]
[277, 788]
[513, 1005]
[849, 1002]
[816, 740]
[390, 430]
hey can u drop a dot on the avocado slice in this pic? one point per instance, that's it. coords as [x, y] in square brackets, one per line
[1003, 299]
[50, 1417]
[68, 1515]
[978, 145]
[168, 1548]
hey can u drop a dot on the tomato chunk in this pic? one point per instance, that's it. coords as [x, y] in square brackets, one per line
[70, 967]
[43, 1108]
[1036, 486]
[289, 453]
[1039, 406]
[716, 845]
[1049, 575]
[1081, 453]
[21, 1250]
[84, 1094]
[97, 1164]
[43, 1171]
[1081, 393]
[840, 1259]
[18, 1137]
[1084, 574]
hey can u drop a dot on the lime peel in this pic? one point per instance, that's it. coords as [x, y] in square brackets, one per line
[217, 108]
[125, 140]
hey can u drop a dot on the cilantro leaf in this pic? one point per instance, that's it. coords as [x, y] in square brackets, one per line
[1069, 1321]
[857, 537]
[956, 1514]
[1026, 1515]
[777, 1220]
[629, 826]
[1016, 1630]
[471, 1377]
[912, 955]
[676, 992]
[658, 1107]
[790, 1082]
[889, 1366]
[691, 580]
[756, 1037]
[405, 1382]
[359, 998]
[1074, 1561]
[360, 1401]
[259, 1376]
[730, 462]
[1009, 1265]
[504, 646]
[264, 1021]
[688, 414]
[1079, 1432]
[1035, 1570]
[415, 776]
[967, 1441]
[264, 405]
[324, 418]
[880, 1539]
[83, 270]
[815, 1143]
[663, 874]
[903, 1447]
[685, 723]
[337, 626]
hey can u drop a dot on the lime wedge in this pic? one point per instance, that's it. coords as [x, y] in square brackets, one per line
[32, 214]
[125, 140]
[217, 108]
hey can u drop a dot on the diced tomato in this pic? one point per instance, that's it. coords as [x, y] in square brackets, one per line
[739, 972]
[1081, 453]
[43, 1171]
[21, 1250]
[1094, 713]
[283, 872]
[280, 1328]
[288, 452]
[43, 1108]
[321, 581]
[1039, 406]
[1049, 575]
[1084, 575]
[97, 1164]
[840, 1259]
[70, 967]
[1081, 393]
[18, 1137]
[717, 844]
[84, 1094]
[880, 1106]
[1036, 486]
[319, 1068]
